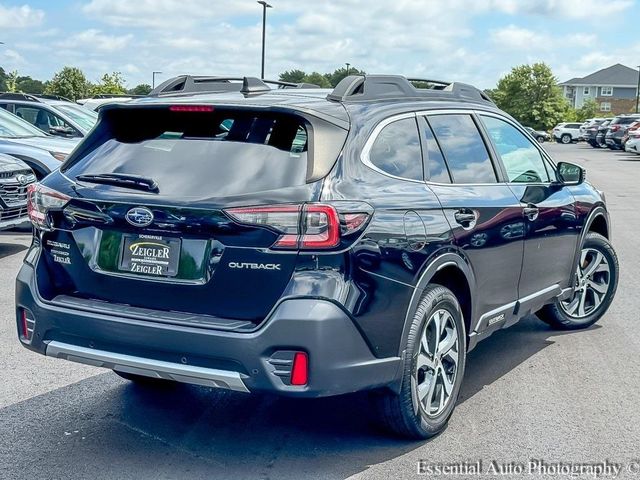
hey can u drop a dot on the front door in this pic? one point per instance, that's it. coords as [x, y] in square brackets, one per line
[551, 226]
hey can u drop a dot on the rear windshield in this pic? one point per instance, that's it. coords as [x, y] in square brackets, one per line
[211, 153]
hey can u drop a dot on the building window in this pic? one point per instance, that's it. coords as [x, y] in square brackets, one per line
[605, 107]
[606, 91]
[585, 91]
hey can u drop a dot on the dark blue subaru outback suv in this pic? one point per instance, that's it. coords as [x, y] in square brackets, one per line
[308, 242]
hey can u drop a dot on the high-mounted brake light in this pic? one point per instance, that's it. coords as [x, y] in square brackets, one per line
[191, 108]
[40, 200]
[311, 226]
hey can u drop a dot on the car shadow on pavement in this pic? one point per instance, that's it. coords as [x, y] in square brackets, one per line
[505, 350]
[104, 424]
[8, 249]
[628, 157]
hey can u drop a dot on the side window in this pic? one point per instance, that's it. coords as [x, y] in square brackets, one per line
[27, 113]
[463, 148]
[396, 150]
[434, 166]
[522, 160]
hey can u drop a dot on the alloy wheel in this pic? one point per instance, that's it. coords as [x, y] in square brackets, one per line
[593, 279]
[435, 364]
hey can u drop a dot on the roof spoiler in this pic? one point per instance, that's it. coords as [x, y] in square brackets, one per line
[360, 88]
[190, 84]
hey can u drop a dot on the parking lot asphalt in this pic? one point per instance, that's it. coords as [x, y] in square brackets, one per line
[529, 393]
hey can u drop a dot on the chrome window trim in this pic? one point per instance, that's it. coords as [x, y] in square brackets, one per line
[364, 155]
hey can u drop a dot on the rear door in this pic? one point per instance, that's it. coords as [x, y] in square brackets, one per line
[484, 214]
[550, 220]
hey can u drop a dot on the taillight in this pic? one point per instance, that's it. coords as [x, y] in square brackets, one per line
[312, 226]
[40, 200]
[615, 128]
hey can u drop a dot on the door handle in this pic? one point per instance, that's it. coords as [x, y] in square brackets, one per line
[531, 212]
[465, 217]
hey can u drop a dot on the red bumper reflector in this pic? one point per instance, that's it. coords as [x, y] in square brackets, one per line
[300, 370]
[25, 329]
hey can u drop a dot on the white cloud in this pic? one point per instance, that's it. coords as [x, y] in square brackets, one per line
[583, 9]
[94, 39]
[513, 37]
[517, 38]
[171, 14]
[413, 37]
[13, 58]
[20, 17]
[183, 43]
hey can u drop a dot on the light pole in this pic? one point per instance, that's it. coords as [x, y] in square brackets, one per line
[265, 5]
[638, 91]
[348, 65]
[153, 81]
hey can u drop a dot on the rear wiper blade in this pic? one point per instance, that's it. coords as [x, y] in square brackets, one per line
[122, 180]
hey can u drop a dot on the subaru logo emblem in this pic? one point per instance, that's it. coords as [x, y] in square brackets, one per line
[139, 216]
[22, 179]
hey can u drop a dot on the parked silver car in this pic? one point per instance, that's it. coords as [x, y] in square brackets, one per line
[15, 178]
[41, 152]
[51, 114]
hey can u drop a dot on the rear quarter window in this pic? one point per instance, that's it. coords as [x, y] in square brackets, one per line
[396, 150]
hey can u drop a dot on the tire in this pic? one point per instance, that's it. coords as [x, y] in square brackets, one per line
[143, 380]
[565, 139]
[567, 315]
[540, 139]
[402, 413]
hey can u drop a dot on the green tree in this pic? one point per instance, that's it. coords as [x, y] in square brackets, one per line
[12, 81]
[530, 93]
[142, 89]
[293, 76]
[69, 82]
[337, 75]
[317, 79]
[110, 84]
[589, 109]
[3, 80]
[29, 85]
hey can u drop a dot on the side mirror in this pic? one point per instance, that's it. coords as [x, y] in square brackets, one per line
[570, 173]
[61, 131]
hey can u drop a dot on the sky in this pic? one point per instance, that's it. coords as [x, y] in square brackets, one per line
[474, 41]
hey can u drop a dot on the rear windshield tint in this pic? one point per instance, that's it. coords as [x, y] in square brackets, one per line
[200, 153]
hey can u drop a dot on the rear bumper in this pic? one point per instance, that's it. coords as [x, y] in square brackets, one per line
[340, 361]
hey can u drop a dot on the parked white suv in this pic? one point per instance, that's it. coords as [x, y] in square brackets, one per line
[567, 132]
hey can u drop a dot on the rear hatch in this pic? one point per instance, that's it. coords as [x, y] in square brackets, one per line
[180, 213]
